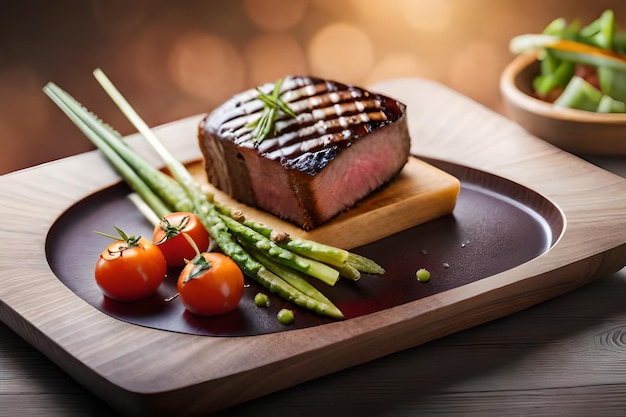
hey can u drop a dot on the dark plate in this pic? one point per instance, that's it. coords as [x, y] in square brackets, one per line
[496, 225]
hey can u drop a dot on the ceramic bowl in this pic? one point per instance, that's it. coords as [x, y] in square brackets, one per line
[576, 131]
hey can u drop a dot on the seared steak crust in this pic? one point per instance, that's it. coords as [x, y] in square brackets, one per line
[344, 144]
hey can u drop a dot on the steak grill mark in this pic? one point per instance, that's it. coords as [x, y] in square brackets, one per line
[328, 114]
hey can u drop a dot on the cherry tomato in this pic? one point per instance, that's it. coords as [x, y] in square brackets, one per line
[129, 269]
[210, 284]
[168, 236]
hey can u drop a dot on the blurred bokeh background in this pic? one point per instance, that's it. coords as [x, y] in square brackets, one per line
[177, 59]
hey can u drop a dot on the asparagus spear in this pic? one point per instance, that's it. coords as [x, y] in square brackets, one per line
[309, 266]
[349, 264]
[293, 277]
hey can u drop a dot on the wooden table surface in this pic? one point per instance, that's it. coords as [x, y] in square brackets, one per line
[566, 356]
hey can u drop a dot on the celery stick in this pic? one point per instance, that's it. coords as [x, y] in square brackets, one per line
[601, 31]
[610, 105]
[579, 94]
[613, 82]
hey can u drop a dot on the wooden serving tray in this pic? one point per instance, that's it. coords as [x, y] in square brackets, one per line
[509, 179]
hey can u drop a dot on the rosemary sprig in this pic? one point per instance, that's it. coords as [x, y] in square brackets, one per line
[266, 123]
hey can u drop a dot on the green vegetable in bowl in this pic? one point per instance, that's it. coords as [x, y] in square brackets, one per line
[581, 67]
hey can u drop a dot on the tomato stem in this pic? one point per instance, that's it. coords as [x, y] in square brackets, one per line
[201, 265]
[172, 230]
[131, 241]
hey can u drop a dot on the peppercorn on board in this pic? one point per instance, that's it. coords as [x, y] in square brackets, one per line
[140, 369]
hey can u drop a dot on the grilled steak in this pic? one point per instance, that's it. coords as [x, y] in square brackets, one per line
[344, 144]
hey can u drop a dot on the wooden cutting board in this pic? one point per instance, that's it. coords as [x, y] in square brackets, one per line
[142, 370]
[420, 193]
